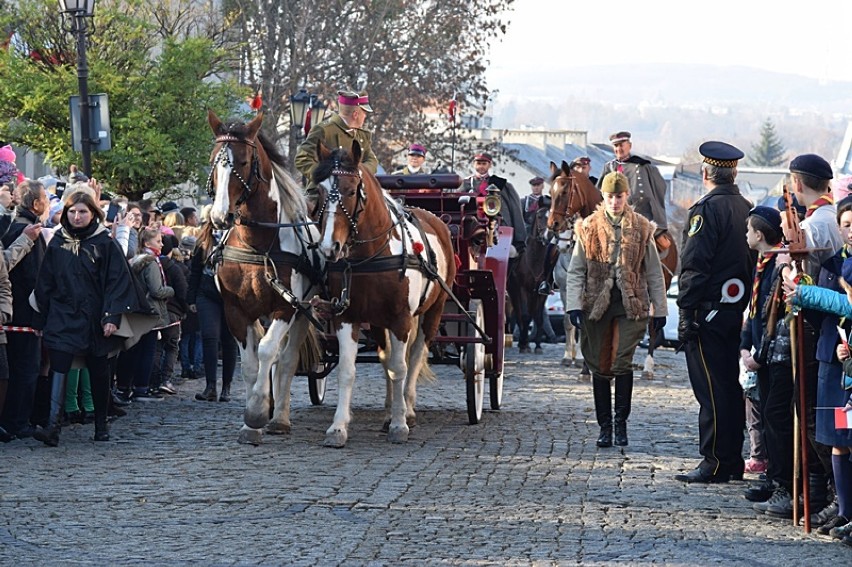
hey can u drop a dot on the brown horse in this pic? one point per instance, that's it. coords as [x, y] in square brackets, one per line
[574, 196]
[389, 269]
[266, 267]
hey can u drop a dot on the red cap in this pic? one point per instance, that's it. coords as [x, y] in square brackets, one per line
[354, 99]
[482, 156]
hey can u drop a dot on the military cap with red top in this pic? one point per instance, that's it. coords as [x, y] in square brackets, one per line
[812, 164]
[582, 160]
[720, 154]
[351, 98]
[619, 137]
[416, 150]
[536, 181]
[482, 156]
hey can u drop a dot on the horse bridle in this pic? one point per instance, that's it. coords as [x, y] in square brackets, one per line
[222, 158]
[567, 214]
[334, 196]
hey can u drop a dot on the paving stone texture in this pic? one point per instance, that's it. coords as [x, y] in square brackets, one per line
[527, 486]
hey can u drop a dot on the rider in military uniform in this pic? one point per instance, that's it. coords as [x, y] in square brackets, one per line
[716, 266]
[647, 186]
[479, 182]
[339, 131]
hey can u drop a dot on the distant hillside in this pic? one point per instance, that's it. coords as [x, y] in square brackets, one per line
[672, 108]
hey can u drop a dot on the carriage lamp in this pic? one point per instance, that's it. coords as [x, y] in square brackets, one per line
[299, 104]
[76, 15]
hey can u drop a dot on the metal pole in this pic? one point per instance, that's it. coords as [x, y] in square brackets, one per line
[80, 29]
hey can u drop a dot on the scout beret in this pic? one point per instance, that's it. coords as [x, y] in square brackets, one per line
[619, 137]
[416, 150]
[615, 182]
[720, 154]
[800, 209]
[482, 156]
[536, 181]
[812, 164]
[352, 98]
[770, 215]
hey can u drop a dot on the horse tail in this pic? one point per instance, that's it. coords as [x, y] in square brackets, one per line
[310, 354]
[427, 375]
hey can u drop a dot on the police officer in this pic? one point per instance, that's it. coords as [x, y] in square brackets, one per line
[416, 159]
[479, 182]
[716, 265]
[647, 186]
[339, 131]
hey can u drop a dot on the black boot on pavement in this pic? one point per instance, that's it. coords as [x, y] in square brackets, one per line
[623, 397]
[50, 435]
[208, 395]
[603, 409]
[225, 396]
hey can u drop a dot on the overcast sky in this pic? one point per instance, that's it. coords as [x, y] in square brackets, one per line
[810, 38]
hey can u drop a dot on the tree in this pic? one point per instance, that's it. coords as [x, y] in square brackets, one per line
[769, 151]
[412, 56]
[155, 64]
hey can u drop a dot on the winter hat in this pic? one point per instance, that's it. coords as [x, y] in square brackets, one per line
[8, 154]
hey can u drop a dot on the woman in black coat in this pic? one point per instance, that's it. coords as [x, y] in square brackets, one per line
[83, 289]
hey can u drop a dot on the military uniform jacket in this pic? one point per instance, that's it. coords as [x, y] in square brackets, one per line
[647, 188]
[334, 133]
[511, 206]
[715, 250]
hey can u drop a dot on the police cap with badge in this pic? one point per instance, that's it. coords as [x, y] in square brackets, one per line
[720, 154]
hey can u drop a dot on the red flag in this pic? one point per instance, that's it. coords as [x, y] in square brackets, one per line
[453, 110]
[308, 121]
[256, 102]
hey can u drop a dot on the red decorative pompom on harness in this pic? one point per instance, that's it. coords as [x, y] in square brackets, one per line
[417, 247]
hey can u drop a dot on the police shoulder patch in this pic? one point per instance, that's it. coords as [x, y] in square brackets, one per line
[695, 224]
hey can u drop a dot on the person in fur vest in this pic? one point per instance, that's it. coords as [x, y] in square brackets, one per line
[614, 278]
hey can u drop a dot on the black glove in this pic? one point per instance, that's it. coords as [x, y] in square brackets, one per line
[576, 318]
[659, 323]
[687, 327]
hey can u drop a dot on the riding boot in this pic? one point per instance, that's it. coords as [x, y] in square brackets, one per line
[5, 436]
[50, 435]
[100, 399]
[225, 395]
[623, 396]
[603, 409]
[208, 395]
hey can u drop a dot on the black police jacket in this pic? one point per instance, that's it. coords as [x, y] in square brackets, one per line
[715, 250]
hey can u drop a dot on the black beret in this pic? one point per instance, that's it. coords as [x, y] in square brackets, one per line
[800, 209]
[168, 207]
[812, 164]
[770, 215]
[720, 154]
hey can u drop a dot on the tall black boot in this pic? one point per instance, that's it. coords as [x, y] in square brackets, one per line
[101, 399]
[225, 395]
[50, 435]
[603, 409]
[5, 436]
[623, 397]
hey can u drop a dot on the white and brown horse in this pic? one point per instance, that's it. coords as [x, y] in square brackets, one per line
[266, 270]
[388, 267]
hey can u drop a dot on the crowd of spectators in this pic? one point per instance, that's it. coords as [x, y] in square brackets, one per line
[98, 305]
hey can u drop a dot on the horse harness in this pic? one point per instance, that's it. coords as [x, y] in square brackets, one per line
[222, 157]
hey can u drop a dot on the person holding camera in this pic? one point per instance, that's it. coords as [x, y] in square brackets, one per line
[715, 264]
[614, 279]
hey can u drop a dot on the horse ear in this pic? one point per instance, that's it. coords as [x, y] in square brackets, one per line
[254, 126]
[554, 170]
[566, 169]
[213, 120]
[356, 151]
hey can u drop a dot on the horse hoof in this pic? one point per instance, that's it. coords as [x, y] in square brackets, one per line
[278, 428]
[566, 362]
[335, 439]
[524, 350]
[539, 350]
[398, 434]
[250, 436]
[410, 420]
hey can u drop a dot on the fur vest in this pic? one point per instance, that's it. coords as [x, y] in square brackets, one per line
[629, 271]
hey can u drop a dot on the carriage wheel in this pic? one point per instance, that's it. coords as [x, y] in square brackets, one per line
[495, 389]
[474, 365]
[317, 382]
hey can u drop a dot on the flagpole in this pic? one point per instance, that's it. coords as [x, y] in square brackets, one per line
[453, 121]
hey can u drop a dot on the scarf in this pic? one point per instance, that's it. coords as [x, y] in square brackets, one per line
[826, 199]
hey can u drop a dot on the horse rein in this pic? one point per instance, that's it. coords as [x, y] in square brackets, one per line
[334, 196]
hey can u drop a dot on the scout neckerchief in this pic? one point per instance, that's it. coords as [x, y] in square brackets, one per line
[762, 261]
[826, 199]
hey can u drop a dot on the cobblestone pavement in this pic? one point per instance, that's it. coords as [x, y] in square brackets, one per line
[526, 486]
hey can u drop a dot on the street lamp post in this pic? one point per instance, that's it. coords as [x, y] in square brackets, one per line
[300, 104]
[78, 13]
